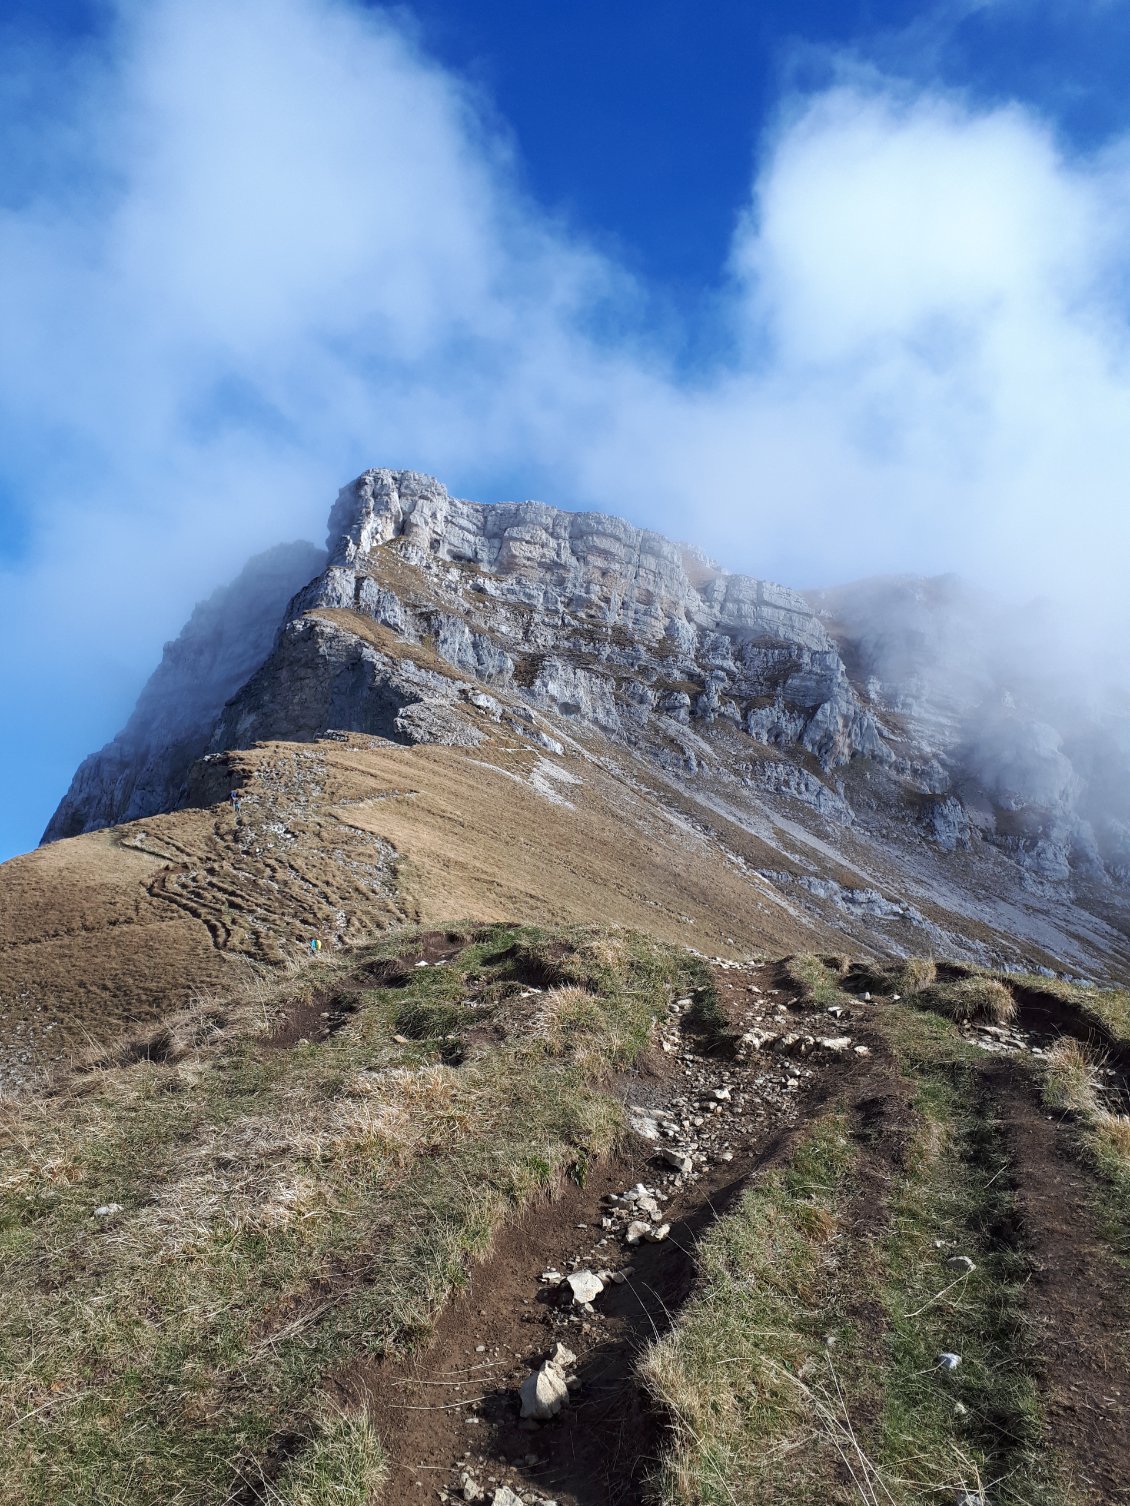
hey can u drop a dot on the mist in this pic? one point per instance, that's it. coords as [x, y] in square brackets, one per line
[252, 248]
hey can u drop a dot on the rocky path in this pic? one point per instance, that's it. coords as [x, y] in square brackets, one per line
[528, 1392]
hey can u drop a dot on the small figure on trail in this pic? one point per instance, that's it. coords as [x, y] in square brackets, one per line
[235, 801]
[315, 945]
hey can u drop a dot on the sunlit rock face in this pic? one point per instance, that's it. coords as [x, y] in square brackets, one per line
[422, 601]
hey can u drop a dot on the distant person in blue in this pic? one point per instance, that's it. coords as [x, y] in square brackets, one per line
[315, 945]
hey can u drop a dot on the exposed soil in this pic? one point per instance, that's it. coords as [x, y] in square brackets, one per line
[454, 1409]
[325, 1011]
[1077, 1296]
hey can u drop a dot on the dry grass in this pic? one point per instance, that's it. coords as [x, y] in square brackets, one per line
[1072, 1078]
[1113, 1133]
[973, 999]
[343, 840]
[157, 1353]
[916, 974]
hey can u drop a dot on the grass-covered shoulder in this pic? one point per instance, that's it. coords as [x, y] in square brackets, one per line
[196, 1232]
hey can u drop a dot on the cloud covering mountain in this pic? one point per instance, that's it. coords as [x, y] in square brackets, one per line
[251, 248]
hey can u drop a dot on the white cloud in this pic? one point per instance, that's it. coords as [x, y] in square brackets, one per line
[272, 243]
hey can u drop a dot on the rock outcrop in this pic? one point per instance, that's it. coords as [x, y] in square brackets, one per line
[425, 605]
[581, 614]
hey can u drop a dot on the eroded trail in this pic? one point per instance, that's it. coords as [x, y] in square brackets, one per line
[451, 1417]
[1077, 1296]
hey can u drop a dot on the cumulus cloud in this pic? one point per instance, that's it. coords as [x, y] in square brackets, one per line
[252, 246]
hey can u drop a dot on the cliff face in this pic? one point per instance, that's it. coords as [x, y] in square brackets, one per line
[890, 703]
[581, 614]
[145, 769]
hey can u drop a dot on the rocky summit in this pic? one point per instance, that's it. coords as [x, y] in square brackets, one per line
[894, 726]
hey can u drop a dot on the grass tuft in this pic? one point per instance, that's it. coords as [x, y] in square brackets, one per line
[345, 1464]
[817, 978]
[1071, 1078]
[915, 975]
[969, 1000]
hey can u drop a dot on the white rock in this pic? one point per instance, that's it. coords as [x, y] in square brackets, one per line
[948, 1360]
[586, 1286]
[679, 1159]
[504, 1496]
[722, 1094]
[643, 1123]
[543, 1393]
[107, 1209]
[563, 1358]
[636, 1231]
[836, 1042]
[654, 1236]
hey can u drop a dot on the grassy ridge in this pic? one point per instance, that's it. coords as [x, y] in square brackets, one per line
[282, 1209]
[848, 1241]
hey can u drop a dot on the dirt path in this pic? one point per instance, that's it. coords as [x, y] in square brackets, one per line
[451, 1417]
[1077, 1297]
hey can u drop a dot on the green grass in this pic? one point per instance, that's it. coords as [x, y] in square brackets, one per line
[730, 1374]
[284, 1207]
[819, 980]
[345, 1464]
[956, 1190]
[849, 1240]
[1073, 1085]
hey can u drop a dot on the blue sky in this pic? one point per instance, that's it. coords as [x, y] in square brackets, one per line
[831, 289]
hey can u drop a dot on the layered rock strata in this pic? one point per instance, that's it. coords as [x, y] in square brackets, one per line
[425, 605]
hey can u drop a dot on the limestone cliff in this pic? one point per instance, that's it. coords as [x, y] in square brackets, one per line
[889, 703]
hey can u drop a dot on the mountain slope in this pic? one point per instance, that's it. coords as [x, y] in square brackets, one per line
[513, 711]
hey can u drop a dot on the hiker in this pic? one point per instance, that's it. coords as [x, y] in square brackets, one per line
[235, 800]
[315, 945]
